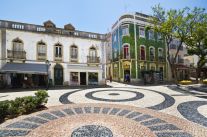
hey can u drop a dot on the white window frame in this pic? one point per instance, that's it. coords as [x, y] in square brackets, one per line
[125, 27]
[141, 36]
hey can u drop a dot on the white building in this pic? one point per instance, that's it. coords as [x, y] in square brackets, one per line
[32, 52]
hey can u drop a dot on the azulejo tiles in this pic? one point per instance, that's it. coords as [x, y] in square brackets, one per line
[99, 120]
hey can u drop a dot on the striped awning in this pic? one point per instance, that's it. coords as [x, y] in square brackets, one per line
[26, 68]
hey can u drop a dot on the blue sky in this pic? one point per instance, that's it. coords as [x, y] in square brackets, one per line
[86, 15]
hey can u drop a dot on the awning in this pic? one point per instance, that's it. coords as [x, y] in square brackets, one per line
[26, 68]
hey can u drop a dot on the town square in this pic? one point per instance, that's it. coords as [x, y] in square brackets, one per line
[136, 69]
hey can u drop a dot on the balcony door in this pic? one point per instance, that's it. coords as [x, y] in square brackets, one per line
[58, 74]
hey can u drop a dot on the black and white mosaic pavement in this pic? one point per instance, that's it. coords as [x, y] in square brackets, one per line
[155, 124]
[92, 131]
[115, 93]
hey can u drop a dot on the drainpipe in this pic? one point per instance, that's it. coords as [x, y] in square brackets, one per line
[135, 40]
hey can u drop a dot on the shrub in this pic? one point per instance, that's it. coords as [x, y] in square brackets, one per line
[186, 82]
[205, 81]
[4, 105]
[23, 105]
[42, 97]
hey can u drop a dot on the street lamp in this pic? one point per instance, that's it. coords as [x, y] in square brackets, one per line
[47, 68]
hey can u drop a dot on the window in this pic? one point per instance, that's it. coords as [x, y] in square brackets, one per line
[159, 36]
[17, 45]
[152, 53]
[126, 51]
[142, 53]
[151, 34]
[74, 78]
[41, 50]
[115, 53]
[73, 52]
[125, 30]
[58, 51]
[153, 68]
[160, 52]
[92, 58]
[92, 78]
[141, 32]
[92, 52]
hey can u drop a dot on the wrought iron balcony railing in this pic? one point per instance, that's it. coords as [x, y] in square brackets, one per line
[12, 54]
[93, 59]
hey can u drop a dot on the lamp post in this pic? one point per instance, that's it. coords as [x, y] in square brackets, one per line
[47, 68]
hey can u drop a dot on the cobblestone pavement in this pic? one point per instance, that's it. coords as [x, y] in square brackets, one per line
[122, 110]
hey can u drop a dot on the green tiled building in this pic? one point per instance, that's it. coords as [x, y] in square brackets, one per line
[136, 50]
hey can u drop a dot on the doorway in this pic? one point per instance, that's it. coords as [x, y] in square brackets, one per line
[127, 75]
[82, 78]
[58, 74]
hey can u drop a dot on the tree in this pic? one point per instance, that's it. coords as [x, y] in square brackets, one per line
[172, 25]
[196, 39]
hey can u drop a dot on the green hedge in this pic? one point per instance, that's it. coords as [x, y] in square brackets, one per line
[23, 105]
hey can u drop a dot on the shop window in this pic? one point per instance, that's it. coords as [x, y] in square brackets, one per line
[74, 77]
[92, 78]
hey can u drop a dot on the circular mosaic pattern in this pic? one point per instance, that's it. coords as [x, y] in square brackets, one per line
[121, 94]
[92, 131]
[189, 110]
[137, 96]
[99, 120]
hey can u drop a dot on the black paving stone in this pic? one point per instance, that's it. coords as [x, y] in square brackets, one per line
[47, 116]
[143, 117]
[163, 127]
[123, 112]
[114, 111]
[169, 101]
[69, 111]
[189, 110]
[152, 122]
[136, 97]
[87, 109]
[58, 113]
[36, 120]
[78, 110]
[96, 109]
[105, 110]
[6, 133]
[173, 134]
[133, 114]
[22, 125]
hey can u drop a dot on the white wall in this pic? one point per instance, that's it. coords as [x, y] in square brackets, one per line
[31, 39]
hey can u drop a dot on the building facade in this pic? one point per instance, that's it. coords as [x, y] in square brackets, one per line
[36, 53]
[136, 49]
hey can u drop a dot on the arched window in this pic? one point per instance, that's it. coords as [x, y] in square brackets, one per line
[17, 51]
[126, 50]
[73, 53]
[152, 53]
[41, 51]
[92, 52]
[17, 45]
[58, 52]
[142, 53]
[92, 58]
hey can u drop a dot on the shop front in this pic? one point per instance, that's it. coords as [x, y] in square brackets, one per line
[25, 75]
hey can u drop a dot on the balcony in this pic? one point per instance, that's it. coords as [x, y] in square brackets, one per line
[12, 54]
[161, 59]
[93, 59]
[41, 56]
[58, 58]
